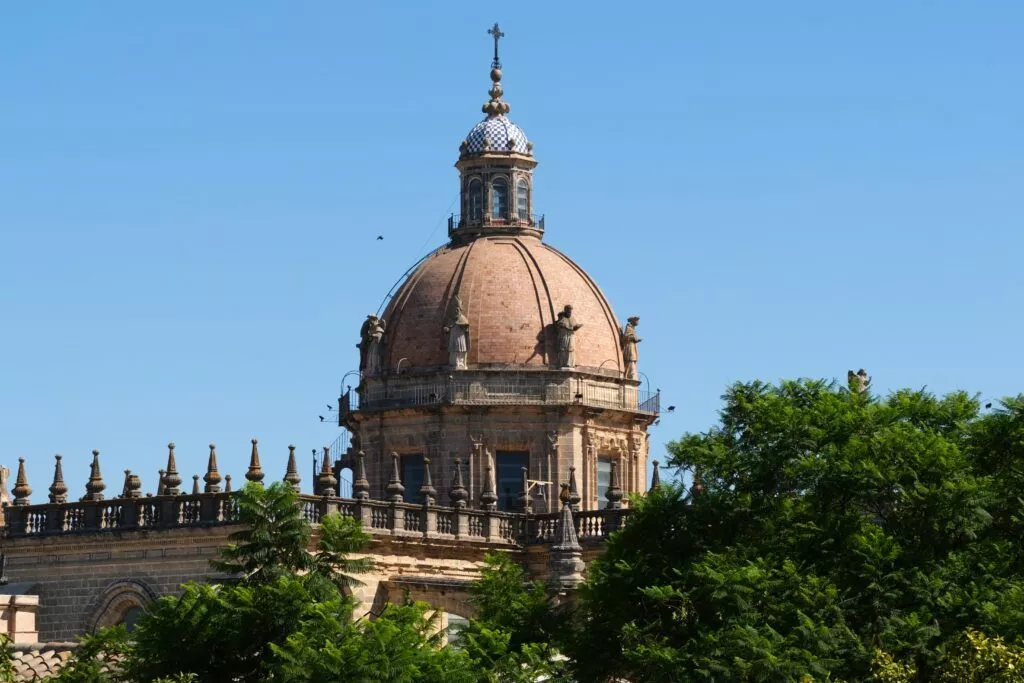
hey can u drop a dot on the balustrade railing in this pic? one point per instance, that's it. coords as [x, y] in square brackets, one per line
[377, 517]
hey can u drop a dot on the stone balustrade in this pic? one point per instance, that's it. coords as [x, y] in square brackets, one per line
[377, 517]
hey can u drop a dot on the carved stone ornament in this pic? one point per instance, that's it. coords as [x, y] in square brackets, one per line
[371, 341]
[456, 330]
[565, 330]
[630, 354]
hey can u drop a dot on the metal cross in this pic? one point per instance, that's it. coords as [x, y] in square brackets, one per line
[498, 35]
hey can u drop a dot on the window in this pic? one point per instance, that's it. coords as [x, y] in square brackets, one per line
[131, 617]
[510, 478]
[476, 200]
[453, 633]
[522, 200]
[412, 476]
[499, 198]
[604, 478]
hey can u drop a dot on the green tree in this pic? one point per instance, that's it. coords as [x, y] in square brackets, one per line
[830, 524]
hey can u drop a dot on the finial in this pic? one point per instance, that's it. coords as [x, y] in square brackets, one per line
[496, 106]
[160, 482]
[427, 491]
[195, 484]
[524, 493]
[361, 486]
[132, 485]
[395, 489]
[171, 480]
[58, 489]
[21, 489]
[227, 483]
[655, 477]
[291, 475]
[327, 483]
[574, 494]
[496, 33]
[255, 472]
[614, 493]
[458, 493]
[488, 498]
[697, 488]
[212, 476]
[94, 487]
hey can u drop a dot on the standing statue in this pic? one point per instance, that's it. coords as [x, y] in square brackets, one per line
[859, 381]
[630, 354]
[456, 329]
[371, 336]
[566, 328]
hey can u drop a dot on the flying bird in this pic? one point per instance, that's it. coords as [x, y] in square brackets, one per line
[380, 237]
[988, 405]
[321, 417]
[329, 408]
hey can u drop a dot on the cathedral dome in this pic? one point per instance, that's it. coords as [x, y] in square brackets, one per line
[496, 134]
[512, 290]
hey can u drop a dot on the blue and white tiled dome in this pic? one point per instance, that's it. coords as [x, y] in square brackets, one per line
[496, 132]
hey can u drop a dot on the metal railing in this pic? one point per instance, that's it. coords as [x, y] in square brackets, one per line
[457, 221]
[377, 517]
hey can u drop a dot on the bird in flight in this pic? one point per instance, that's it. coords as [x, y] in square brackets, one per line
[380, 237]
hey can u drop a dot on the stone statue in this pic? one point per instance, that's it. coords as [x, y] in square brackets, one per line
[630, 354]
[859, 381]
[566, 328]
[371, 336]
[456, 329]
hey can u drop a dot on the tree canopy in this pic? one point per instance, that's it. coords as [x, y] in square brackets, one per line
[829, 528]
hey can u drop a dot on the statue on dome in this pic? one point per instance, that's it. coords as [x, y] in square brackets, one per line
[630, 354]
[566, 328]
[456, 329]
[371, 339]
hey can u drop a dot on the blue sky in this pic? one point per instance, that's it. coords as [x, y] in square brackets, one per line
[190, 194]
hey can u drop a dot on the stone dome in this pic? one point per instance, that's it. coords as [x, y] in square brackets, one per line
[512, 289]
[497, 134]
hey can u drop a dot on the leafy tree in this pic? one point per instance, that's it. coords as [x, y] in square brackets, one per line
[6, 658]
[830, 524]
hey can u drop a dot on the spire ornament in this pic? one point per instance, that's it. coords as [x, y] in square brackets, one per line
[21, 489]
[655, 477]
[427, 491]
[496, 106]
[58, 489]
[132, 485]
[171, 479]
[326, 482]
[488, 498]
[574, 494]
[458, 493]
[395, 489]
[212, 476]
[255, 472]
[291, 475]
[94, 487]
[227, 483]
[361, 486]
[614, 493]
[195, 484]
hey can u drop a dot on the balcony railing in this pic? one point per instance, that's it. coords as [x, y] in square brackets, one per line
[377, 517]
[510, 392]
[486, 220]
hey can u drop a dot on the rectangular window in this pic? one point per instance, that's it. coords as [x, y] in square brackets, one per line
[510, 478]
[412, 476]
[604, 479]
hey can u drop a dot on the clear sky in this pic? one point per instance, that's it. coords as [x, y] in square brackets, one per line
[190, 194]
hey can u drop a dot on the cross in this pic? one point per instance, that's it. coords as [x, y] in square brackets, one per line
[498, 35]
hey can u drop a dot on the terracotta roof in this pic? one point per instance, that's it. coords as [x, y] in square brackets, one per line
[40, 661]
[512, 289]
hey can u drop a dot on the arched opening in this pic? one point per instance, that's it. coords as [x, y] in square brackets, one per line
[123, 602]
[523, 200]
[345, 482]
[453, 630]
[499, 198]
[476, 199]
[131, 617]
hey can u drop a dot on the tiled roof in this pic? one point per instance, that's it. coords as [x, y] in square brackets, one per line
[40, 661]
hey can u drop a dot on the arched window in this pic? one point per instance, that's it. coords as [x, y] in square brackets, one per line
[499, 198]
[522, 200]
[476, 200]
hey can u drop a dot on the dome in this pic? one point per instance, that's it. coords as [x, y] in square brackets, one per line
[511, 289]
[494, 134]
